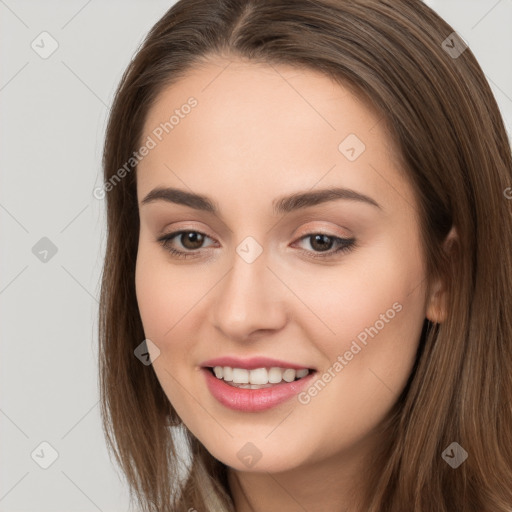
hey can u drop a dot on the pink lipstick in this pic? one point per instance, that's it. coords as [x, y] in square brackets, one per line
[238, 396]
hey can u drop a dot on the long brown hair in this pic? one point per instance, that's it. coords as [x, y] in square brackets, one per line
[435, 101]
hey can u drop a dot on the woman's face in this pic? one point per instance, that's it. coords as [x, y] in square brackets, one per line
[331, 283]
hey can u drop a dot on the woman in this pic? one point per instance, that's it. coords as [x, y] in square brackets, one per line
[308, 263]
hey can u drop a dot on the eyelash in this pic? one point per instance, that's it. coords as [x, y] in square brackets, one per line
[346, 245]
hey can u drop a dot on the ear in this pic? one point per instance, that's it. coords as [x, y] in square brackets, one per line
[436, 304]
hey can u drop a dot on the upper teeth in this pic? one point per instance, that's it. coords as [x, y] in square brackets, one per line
[259, 375]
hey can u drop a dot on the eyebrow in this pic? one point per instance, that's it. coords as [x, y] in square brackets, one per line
[284, 204]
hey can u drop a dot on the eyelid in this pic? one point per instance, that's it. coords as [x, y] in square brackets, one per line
[331, 230]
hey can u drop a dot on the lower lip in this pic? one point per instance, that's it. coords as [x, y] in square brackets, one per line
[253, 400]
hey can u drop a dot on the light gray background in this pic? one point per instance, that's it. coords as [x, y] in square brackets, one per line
[53, 115]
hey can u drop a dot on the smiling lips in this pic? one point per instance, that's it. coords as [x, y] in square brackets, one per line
[255, 384]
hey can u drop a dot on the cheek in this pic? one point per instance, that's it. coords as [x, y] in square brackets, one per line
[153, 296]
[375, 307]
[171, 301]
[374, 294]
[164, 293]
[164, 298]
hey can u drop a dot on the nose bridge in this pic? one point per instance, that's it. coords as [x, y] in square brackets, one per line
[248, 297]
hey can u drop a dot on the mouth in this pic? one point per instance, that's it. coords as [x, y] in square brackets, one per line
[254, 384]
[258, 378]
[257, 389]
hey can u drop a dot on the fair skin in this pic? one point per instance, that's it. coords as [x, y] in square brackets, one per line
[258, 133]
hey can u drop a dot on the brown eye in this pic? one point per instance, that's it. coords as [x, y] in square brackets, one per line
[191, 239]
[321, 242]
[322, 245]
[189, 243]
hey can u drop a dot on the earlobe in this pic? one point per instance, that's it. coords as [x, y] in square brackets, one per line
[436, 308]
[436, 311]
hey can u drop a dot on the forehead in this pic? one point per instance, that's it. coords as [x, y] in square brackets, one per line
[280, 124]
[288, 93]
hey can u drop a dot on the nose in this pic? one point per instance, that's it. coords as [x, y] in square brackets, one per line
[249, 300]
